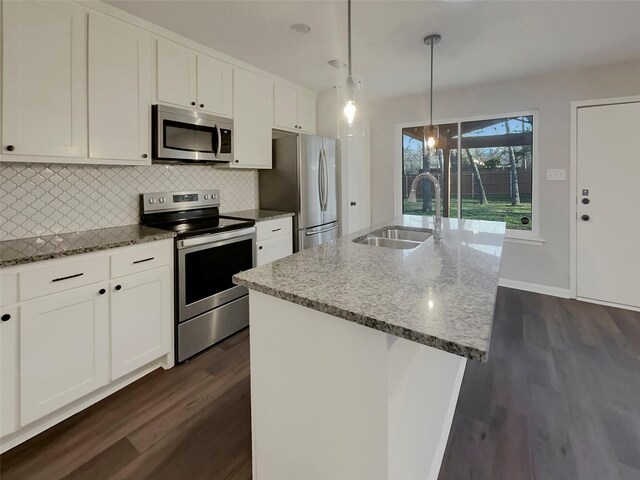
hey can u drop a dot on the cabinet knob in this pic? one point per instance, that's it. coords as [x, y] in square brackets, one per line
[118, 287]
[193, 104]
[353, 204]
[260, 247]
[237, 161]
[295, 126]
[6, 317]
[102, 291]
[144, 155]
[585, 218]
[586, 201]
[202, 105]
[11, 148]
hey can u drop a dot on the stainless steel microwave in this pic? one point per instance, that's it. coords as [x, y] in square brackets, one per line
[189, 136]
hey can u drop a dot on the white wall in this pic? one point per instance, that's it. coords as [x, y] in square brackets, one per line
[550, 94]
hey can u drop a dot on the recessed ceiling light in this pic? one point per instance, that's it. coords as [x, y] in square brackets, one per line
[300, 27]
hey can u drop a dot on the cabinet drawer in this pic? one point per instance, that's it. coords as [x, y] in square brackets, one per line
[141, 258]
[64, 275]
[274, 248]
[8, 288]
[273, 228]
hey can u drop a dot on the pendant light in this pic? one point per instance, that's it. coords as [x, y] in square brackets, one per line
[350, 97]
[431, 133]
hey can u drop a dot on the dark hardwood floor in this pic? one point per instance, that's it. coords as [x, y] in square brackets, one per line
[559, 399]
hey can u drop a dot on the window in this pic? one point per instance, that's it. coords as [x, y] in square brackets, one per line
[493, 179]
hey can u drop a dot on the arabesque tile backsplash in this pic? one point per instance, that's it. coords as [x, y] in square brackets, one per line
[44, 199]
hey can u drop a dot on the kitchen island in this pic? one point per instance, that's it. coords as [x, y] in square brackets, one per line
[358, 351]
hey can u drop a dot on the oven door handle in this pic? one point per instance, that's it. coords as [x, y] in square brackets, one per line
[214, 237]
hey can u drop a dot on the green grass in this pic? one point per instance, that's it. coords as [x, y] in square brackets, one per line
[498, 209]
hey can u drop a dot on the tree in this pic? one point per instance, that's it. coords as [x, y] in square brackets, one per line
[427, 204]
[513, 172]
[481, 193]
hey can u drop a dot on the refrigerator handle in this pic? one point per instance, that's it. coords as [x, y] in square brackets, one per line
[325, 183]
[323, 230]
[320, 181]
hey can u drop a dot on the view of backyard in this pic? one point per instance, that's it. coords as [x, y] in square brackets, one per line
[494, 174]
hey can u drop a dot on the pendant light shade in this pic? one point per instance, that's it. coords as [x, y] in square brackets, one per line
[350, 111]
[432, 132]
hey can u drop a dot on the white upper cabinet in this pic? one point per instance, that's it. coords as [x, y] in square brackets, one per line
[293, 109]
[177, 82]
[215, 84]
[194, 80]
[44, 87]
[119, 91]
[253, 117]
[306, 112]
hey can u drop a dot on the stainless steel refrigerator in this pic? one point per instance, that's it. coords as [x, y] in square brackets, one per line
[303, 180]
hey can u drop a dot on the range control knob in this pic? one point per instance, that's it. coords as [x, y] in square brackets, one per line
[152, 201]
[161, 200]
[206, 196]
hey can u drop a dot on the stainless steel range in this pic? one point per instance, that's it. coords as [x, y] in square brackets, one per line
[210, 249]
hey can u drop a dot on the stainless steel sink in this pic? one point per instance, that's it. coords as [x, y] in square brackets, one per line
[395, 237]
[402, 234]
[387, 242]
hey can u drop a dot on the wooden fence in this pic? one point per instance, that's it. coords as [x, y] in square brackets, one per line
[495, 182]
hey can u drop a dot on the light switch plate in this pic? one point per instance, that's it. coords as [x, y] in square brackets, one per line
[557, 174]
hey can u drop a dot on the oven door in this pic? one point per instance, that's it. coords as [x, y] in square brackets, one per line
[206, 265]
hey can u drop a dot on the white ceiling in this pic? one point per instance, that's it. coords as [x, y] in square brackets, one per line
[482, 41]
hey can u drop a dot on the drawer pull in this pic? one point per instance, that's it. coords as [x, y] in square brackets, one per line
[144, 260]
[276, 230]
[59, 279]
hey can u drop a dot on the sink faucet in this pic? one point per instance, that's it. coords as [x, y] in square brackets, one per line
[432, 179]
[412, 198]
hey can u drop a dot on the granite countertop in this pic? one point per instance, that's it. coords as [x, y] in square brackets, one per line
[441, 294]
[258, 215]
[35, 249]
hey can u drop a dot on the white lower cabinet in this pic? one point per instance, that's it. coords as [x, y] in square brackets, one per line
[9, 369]
[64, 349]
[140, 319]
[92, 324]
[274, 240]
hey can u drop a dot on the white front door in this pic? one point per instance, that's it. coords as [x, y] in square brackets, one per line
[608, 222]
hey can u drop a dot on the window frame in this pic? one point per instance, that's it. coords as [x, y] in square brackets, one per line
[530, 237]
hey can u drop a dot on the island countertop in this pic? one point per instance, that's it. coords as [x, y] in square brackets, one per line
[441, 294]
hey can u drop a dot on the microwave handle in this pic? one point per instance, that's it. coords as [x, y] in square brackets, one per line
[219, 141]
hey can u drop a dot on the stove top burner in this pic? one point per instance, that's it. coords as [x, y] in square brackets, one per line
[190, 227]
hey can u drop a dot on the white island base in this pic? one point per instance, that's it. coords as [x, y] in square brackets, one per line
[332, 400]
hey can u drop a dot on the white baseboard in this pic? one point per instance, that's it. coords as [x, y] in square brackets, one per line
[535, 287]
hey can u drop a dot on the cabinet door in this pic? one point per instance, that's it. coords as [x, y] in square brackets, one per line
[215, 86]
[176, 74]
[274, 248]
[253, 119]
[64, 349]
[285, 106]
[9, 370]
[307, 112]
[44, 79]
[141, 319]
[119, 91]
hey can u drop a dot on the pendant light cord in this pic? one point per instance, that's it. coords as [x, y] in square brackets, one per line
[349, 33]
[431, 95]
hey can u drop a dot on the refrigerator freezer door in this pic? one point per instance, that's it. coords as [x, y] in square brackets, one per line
[310, 171]
[330, 213]
[311, 237]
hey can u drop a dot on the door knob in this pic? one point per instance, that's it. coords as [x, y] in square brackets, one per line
[585, 217]
[353, 204]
